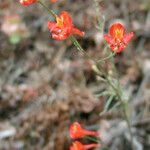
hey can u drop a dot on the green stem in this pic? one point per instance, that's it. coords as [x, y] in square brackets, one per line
[97, 141]
[108, 57]
[123, 104]
[93, 139]
[127, 121]
[49, 10]
[78, 46]
[101, 20]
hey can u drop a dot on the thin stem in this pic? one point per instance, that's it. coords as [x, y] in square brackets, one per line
[127, 120]
[108, 57]
[92, 139]
[97, 141]
[124, 110]
[101, 20]
[79, 47]
[49, 10]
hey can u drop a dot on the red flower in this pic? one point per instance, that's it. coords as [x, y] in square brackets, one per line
[76, 131]
[117, 38]
[27, 2]
[79, 146]
[53, 1]
[63, 27]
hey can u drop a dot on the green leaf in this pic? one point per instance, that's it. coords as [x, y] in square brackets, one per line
[107, 105]
[102, 94]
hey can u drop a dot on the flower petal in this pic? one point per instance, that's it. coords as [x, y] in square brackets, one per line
[109, 39]
[78, 32]
[116, 27]
[66, 18]
[27, 2]
[59, 37]
[128, 37]
[51, 25]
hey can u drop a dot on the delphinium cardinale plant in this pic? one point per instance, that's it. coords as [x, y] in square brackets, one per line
[117, 39]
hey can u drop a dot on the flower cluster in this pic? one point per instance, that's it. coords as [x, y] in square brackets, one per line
[63, 28]
[76, 132]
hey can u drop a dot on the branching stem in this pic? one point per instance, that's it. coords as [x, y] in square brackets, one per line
[49, 10]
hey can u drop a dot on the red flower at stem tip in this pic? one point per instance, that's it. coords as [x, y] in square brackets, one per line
[117, 38]
[79, 146]
[63, 27]
[53, 1]
[76, 131]
[27, 2]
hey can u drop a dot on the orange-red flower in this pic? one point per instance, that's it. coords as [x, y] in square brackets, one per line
[117, 38]
[27, 2]
[76, 131]
[53, 1]
[79, 146]
[63, 27]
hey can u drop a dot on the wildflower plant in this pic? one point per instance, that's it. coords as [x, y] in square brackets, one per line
[116, 41]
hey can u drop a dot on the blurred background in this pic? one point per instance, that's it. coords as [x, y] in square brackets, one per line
[45, 85]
